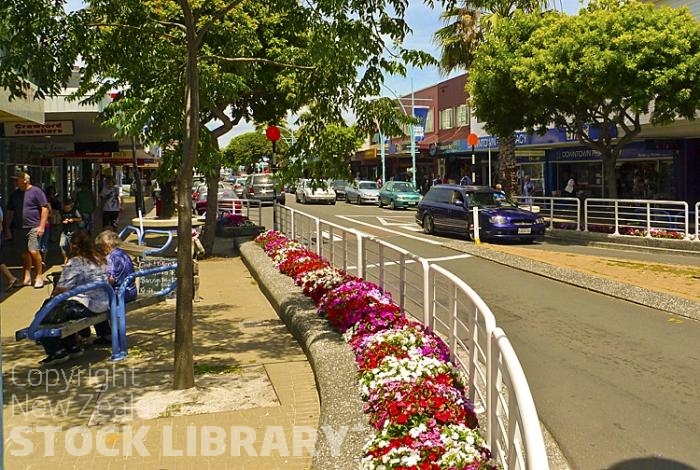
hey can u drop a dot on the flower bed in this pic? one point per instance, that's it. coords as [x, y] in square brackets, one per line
[414, 396]
[624, 230]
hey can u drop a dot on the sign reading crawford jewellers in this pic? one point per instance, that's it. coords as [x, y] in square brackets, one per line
[31, 129]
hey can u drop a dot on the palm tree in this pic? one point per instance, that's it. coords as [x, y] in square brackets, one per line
[466, 27]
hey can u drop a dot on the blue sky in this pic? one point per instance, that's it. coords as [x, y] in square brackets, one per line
[424, 21]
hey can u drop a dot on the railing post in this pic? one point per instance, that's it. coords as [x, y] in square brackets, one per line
[360, 256]
[578, 215]
[452, 338]
[380, 262]
[318, 235]
[648, 235]
[292, 224]
[475, 217]
[551, 213]
[402, 282]
[427, 295]
[617, 219]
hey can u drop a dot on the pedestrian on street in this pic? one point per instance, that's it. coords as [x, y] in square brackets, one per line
[27, 216]
[112, 202]
[85, 204]
[10, 279]
[465, 181]
[528, 190]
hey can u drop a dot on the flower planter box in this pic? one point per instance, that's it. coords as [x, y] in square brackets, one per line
[247, 231]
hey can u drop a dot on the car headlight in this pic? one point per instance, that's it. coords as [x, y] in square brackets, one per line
[540, 220]
[498, 219]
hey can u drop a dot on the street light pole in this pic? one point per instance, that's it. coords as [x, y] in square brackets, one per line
[382, 152]
[413, 138]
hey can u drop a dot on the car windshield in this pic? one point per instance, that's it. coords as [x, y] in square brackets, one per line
[339, 184]
[367, 185]
[407, 187]
[490, 199]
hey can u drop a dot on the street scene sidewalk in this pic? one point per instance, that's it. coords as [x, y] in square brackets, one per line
[255, 404]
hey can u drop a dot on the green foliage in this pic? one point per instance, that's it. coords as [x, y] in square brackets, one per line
[604, 68]
[246, 149]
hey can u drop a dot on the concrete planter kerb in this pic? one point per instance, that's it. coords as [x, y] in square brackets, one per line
[343, 428]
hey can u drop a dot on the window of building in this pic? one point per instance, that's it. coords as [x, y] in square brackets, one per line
[447, 118]
[429, 127]
[462, 115]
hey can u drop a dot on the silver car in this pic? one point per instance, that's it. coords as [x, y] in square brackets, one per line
[362, 192]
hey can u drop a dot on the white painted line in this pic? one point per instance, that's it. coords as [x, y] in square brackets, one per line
[411, 261]
[420, 239]
[327, 236]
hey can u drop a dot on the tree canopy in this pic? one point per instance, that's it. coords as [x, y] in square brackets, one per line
[189, 70]
[595, 74]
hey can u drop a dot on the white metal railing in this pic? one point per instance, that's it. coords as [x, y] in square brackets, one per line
[617, 216]
[496, 382]
[252, 208]
[624, 216]
[558, 212]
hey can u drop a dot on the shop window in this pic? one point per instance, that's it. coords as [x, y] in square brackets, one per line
[447, 118]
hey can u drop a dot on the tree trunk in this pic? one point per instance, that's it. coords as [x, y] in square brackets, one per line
[209, 232]
[184, 361]
[610, 173]
[507, 174]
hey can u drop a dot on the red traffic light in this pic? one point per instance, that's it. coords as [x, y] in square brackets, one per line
[473, 139]
[273, 133]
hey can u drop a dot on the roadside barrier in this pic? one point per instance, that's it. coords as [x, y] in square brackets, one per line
[431, 294]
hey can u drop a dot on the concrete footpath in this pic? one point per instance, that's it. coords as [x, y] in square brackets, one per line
[256, 401]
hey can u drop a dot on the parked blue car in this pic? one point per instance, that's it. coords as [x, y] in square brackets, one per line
[448, 208]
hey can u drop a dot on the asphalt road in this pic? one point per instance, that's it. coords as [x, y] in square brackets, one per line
[617, 384]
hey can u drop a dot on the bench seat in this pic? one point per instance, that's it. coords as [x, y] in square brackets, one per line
[61, 330]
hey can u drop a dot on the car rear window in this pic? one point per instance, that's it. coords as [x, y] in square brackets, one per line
[368, 185]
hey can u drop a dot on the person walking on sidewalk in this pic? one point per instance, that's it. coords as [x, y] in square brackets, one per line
[85, 204]
[71, 220]
[112, 202]
[27, 216]
[4, 270]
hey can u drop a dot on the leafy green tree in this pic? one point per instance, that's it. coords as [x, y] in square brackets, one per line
[185, 64]
[466, 27]
[601, 70]
[247, 149]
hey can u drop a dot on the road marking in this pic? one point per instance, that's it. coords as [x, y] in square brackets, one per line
[386, 223]
[411, 261]
[327, 236]
[420, 239]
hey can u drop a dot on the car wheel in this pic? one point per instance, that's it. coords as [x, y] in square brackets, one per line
[303, 199]
[333, 202]
[428, 224]
[296, 196]
[381, 204]
[392, 205]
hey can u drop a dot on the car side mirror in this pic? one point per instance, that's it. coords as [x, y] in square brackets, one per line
[459, 203]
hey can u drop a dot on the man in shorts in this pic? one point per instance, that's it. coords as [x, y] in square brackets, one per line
[27, 215]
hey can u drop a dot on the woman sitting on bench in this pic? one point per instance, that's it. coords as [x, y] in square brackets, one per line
[119, 266]
[85, 265]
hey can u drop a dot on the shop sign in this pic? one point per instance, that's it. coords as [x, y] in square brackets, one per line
[421, 113]
[459, 145]
[31, 129]
[574, 154]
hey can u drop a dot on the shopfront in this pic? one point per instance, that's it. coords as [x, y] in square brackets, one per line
[644, 171]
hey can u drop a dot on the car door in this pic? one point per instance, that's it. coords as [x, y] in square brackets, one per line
[440, 209]
[458, 212]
